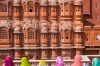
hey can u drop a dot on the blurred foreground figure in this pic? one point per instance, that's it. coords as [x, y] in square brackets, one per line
[59, 61]
[96, 62]
[24, 62]
[8, 61]
[77, 61]
[42, 63]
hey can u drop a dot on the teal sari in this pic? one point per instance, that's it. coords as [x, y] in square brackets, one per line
[96, 62]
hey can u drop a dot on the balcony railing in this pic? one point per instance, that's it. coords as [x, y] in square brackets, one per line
[85, 61]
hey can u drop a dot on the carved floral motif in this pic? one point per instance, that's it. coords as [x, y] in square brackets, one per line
[44, 27]
[65, 25]
[5, 24]
[54, 28]
[33, 25]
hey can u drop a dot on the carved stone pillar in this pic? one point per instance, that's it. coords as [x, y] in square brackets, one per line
[17, 9]
[44, 34]
[17, 34]
[54, 35]
[65, 34]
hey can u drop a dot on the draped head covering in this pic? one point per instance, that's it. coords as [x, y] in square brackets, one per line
[24, 62]
[77, 61]
[8, 61]
[59, 61]
[42, 63]
[96, 62]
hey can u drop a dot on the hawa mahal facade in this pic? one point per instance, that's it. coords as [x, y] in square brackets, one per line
[44, 29]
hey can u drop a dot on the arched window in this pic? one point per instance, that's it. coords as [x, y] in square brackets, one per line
[3, 33]
[3, 7]
[30, 8]
[30, 34]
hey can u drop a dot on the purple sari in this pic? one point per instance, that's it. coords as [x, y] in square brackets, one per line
[59, 61]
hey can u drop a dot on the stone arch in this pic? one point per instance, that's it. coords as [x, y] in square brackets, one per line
[30, 6]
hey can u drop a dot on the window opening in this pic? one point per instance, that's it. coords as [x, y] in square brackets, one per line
[30, 34]
[30, 10]
[3, 34]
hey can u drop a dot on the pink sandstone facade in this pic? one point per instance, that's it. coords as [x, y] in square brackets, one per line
[44, 29]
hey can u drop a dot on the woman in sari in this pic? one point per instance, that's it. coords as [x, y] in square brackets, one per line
[24, 62]
[8, 61]
[42, 63]
[96, 62]
[59, 61]
[77, 61]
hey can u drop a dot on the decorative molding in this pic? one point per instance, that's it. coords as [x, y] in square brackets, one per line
[28, 25]
[5, 24]
[65, 25]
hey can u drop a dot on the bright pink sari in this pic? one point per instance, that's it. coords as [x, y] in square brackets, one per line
[77, 61]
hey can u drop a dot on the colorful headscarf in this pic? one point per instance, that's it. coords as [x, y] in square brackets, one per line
[77, 61]
[24, 62]
[8, 61]
[59, 61]
[96, 62]
[42, 63]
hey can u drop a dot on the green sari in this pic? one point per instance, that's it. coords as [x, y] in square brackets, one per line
[24, 62]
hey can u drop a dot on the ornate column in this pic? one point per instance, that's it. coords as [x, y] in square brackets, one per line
[54, 34]
[17, 34]
[44, 34]
[53, 10]
[17, 40]
[54, 30]
[78, 22]
[17, 7]
[65, 34]
[43, 10]
[78, 26]
[66, 19]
